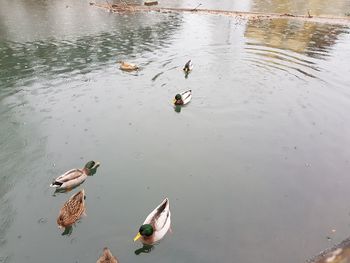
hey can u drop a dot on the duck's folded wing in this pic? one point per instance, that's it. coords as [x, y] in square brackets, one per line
[162, 220]
[159, 215]
[69, 175]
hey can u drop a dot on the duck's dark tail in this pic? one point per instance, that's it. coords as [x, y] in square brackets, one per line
[55, 184]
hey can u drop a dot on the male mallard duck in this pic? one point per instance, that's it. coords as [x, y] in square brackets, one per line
[183, 98]
[72, 210]
[74, 177]
[188, 66]
[156, 225]
[128, 66]
[107, 257]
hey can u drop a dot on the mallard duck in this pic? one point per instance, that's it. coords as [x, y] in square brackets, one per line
[107, 257]
[156, 225]
[128, 66]
[183, 98]
[74, 177]
[188, 66]
[72, 210]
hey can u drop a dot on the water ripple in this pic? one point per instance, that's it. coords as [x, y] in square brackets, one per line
[280, 59]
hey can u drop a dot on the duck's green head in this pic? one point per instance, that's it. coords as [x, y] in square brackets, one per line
[178, 97]
[145, 231]
[89, 164]
[91, 167]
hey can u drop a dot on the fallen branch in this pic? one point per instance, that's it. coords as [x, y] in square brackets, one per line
[239, 14]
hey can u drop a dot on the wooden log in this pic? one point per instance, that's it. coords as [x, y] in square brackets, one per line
[149, 3]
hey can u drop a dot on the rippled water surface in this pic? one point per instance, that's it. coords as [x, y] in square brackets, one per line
[256, 167]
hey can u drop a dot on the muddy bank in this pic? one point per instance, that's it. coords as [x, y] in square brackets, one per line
[340, 253]
[119, 8]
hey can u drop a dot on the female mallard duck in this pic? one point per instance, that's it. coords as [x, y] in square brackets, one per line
[183, 98]
[74, 177]
[156, 225]
[107, 257]
[72, 210]
[128, 66]
[188, 66]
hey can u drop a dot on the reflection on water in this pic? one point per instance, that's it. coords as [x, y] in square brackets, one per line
[67, 231]
[177, 108]
[312, 39]
[24, 62]
[290, 46]
[144, 249]
[316, 7]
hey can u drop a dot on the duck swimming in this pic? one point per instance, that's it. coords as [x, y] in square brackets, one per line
[156, 225]
[72, 210]
[127, 66]
[107, 257]
[183, 98]
[74, 177]
[188, 66]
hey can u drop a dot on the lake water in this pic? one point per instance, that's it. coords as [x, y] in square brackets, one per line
[256, 167]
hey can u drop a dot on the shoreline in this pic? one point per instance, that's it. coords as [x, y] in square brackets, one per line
[251, 16]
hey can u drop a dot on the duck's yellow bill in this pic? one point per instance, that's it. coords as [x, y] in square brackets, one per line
[174, 101]
[137, 236]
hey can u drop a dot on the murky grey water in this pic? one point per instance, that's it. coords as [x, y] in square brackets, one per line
[255, 167]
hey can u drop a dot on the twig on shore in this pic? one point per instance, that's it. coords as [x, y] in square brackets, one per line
[195, 9]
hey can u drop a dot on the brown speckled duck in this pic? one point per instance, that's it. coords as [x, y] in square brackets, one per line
[107, 257]
[72, 210]
[128, 66]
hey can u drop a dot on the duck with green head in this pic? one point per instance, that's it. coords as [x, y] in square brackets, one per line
[156, 225]
[183, 98]
[75, 177]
